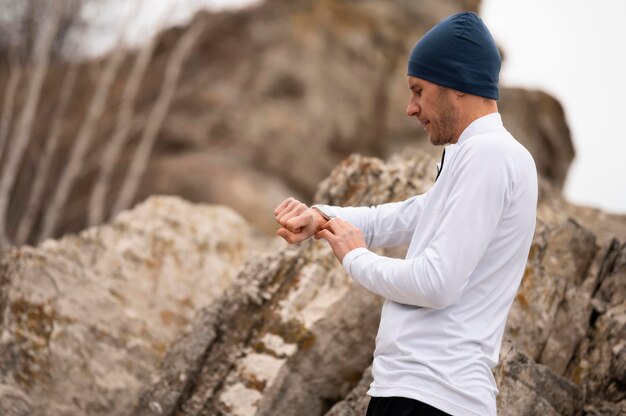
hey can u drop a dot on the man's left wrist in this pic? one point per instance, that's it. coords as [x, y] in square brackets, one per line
[320, 221]
[323, 214]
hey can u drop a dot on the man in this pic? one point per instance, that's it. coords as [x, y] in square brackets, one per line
[447, 302]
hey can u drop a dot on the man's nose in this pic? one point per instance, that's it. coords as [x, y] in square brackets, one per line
[412, 109]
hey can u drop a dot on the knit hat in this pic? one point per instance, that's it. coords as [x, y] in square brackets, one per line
[459, 53]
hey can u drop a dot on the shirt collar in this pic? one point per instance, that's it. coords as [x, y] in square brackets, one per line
[484, 124]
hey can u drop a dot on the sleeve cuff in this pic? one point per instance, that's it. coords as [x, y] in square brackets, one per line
[352, 256]
[331, 208]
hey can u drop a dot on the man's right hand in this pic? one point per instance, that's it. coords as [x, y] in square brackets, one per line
[298, 222]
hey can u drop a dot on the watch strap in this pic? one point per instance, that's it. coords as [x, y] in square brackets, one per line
[323, 211]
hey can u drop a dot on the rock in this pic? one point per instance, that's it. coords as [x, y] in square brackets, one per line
[551, 313]
[553, 208]
[299, 301]
[272, 98]
[291, 337]
[13, 402]
[527, 388]
[88, 317]
[297, 121]
[293, 334]
[360, 180]
[356, 402]
[560, 295]
[605, 409]
[600, 363]
[213, 176]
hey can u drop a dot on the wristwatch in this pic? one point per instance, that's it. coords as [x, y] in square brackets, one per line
[323, 211]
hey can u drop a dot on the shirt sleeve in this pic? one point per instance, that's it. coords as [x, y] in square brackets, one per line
[470, 215]
[385, 225]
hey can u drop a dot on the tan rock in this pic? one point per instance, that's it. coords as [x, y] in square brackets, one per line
[355, 403]
[294, 333]
[527, 388]
[551, 313]
[550, 318]
[88, 317]
[291, 336]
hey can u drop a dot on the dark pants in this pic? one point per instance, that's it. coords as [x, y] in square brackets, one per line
[400, 406]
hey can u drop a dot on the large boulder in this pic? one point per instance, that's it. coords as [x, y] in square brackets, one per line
[564, 351]
[527, 388]
[92, 323]
[600, 361]
[551, 312]
[291, 337]
[355, 403]
[87, 318]
[294, 333]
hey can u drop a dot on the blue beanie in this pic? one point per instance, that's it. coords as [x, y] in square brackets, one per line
[459, 53]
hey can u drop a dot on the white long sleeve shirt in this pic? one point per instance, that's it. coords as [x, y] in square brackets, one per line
[447, 302]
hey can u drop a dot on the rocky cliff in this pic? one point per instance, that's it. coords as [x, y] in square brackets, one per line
[86, 320]
[267, 102]
[556, 359]
[304, 84]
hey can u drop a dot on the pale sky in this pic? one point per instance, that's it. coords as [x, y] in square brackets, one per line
[147, 17]
[572, 49]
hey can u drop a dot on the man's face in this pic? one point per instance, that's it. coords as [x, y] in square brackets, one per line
[434, 107]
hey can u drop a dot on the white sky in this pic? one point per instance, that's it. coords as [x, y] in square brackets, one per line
[147, 17]
[571, 49]
[574, 50]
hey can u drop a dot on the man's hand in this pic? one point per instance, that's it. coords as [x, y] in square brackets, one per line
[342, 236]
[298, 222]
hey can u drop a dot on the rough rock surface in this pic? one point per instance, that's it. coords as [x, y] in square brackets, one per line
[355, 403]
[569, 311]
[292, 335]
[85, 319]
[288, 338]
[527, 388]
[600, 362]
[552, 307]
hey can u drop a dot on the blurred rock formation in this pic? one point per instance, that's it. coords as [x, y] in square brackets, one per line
[289, 90]
[85, 319]
[270, 99]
